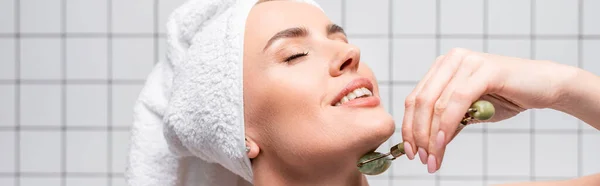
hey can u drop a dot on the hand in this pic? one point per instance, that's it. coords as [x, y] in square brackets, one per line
[456, 80]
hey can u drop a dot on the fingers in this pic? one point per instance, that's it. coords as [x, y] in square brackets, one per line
[409, 105]
[427, 97]
[451, 106]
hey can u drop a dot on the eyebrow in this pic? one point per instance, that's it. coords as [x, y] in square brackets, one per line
[301, 32]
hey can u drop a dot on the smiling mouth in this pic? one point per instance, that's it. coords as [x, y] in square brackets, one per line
[358, 93]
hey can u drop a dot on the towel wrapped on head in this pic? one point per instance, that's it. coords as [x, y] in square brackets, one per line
[188, 124]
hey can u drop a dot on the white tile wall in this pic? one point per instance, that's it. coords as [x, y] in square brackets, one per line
[7, 16]
[40, 16]
[367, 17]
[7, 108]
[86, 16]
[456, 18]
[83, 146]
[7, 58]
[87, 59]
[40, 105]
[87, 105]
[40, 58]
[549, 22]
[405, 12]
[509, 17]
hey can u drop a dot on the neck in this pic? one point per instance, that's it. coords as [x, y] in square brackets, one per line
[274, 174]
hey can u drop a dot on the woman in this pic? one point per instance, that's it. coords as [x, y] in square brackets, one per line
[311, 107]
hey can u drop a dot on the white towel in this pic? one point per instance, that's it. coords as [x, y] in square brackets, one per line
[188, 127]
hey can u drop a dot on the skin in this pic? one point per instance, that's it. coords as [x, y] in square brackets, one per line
[457, 79]
[295, 135]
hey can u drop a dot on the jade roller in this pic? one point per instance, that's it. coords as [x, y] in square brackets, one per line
[375, 163]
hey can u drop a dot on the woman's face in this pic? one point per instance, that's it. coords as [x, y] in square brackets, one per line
[298, 67]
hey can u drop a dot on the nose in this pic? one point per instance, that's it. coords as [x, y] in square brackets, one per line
[347, 60]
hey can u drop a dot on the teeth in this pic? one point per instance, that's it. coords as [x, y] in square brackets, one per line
[359, 92]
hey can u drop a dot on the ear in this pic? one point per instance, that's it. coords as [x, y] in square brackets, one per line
[253, 148]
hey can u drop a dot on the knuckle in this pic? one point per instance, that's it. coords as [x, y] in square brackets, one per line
[459, 51]
[440, 107]
[460, 95]
[410, 101]
[423, 100]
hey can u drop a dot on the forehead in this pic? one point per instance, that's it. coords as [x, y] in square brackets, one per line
[268, 18]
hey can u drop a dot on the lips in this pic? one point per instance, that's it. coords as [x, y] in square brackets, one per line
[358, 91]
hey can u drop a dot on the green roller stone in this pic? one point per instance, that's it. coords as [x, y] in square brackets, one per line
[484, 110]
[375, 167]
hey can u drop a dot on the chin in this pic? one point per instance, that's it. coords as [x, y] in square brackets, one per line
[377, 129]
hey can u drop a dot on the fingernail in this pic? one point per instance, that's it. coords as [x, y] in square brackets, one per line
[409, 151]
[423, 155]
[431, 164]
[439, 142]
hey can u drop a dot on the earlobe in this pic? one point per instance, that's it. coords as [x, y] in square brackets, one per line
[252, 149]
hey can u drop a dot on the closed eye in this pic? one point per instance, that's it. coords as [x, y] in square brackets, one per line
[295, 56]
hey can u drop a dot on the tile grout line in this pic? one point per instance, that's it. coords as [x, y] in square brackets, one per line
[532, 125]
[580, 6]
[390, 74]
[109, 86]
[63, 93]
[156, 34]
[485, 141]
[17, 89]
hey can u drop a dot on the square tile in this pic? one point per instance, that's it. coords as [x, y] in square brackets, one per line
[590, 153]
[463, 156]
[7, 16]
[87, 181]
[414, 17]
[461, 183]
[35, 143]
[384, 94]
[591, 56]
[472, 44]
[333, 10]
[7, 57]
[591, 26]
[83, 146]
[162, 50]
[424, 182]
[125, 20]
[120, 150]
[399, 98]
[520, 48]
[40, 16]
[87, 105]
[133, 58]
[509, 17]
[520, 121]
[461, 17]
[367, 17]
[549, 163]
[124, 98]
[119, 182]
[7, 157]
[41, 105]
[374, 53]
[548, 21]
[560, 51]
[87, 16]
[7, 108]
[166, 8]
[41, 58]
[553, 119]
[508, 154]
[87, 58]
[7, 181]
[45, 181]
[412, 58]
